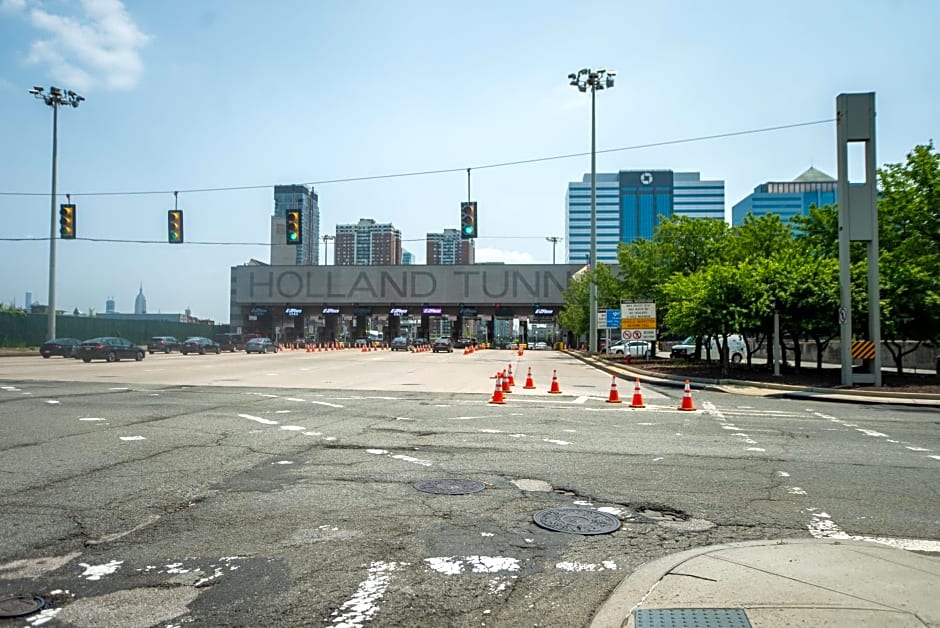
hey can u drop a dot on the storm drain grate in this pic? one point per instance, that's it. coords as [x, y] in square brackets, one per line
[450, 486]
[20, 606]
[691, 618]
[576, 520]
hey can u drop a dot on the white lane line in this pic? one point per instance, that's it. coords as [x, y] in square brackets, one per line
[363, 605]
[874, 434]
[823, 527]
[132, 438]
[258, 419]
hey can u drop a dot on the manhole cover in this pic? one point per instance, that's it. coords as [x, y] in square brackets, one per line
[451, 486]
[20, 606]
[576, 520]
[687, 617]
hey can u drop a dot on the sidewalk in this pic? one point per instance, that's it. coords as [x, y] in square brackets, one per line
[777, 584]
[766, 389]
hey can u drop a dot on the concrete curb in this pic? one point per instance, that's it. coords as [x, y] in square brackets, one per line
[843, 395]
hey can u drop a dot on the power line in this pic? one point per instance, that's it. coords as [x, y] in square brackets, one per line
[421, 173]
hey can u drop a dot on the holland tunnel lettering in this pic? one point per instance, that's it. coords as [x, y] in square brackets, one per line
[338, 285]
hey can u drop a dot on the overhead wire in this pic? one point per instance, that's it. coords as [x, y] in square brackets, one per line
[420, 173]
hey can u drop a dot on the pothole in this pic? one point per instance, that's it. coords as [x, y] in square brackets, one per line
[533, 485]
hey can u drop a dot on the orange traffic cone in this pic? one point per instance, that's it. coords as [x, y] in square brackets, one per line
[505, 378]
[555, 390]
[614, 396]
[520, 352]
[529, 384]
[512, 380]
[687, 398]
[637, 396]
[498, 392]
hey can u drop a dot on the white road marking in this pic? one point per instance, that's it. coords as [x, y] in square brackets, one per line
[423, 463]
[258, 419]
[95, 572]
[52, 401]
[657, 459]
[823, 527]
[132, 438]
[452, 565]
[93, 418]
[569, 566]
[293, 428]
[283, 462]
[556, 442]
[363, 605]
[328, 404]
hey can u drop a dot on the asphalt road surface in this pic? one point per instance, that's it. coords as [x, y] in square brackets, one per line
[280, 490]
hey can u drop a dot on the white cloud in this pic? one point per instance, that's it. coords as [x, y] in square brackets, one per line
[498, 255]
[12, 6]
[100, 46]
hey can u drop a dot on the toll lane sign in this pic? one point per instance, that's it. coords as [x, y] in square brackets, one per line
[637, 319]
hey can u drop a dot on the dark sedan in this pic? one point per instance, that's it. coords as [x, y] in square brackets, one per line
[400, 344]
[59, 346]
[260, 345]
[200, 345]
[442, 344]
[110, 349]
[163, 344]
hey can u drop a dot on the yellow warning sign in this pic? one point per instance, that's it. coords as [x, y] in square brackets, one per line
[638, 323]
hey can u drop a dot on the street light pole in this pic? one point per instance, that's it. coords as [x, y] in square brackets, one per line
[594, 80]
[554, 240]
[54, 98]
[326, 249]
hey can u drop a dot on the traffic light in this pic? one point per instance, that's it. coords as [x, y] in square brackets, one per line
[294, 233]
[468, 220]
[174, 226]
[67, 222]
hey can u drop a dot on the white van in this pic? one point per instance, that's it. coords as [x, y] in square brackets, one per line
[737, 350]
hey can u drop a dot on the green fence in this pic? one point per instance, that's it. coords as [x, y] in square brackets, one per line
[30, 330]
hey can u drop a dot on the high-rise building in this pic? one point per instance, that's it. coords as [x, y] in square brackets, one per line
[787, 198]
[140, 303]
[630, 204]
[367, 244]
[28, 303]
[109, 306]
[449, 248]
[306, 200]
[407, 257]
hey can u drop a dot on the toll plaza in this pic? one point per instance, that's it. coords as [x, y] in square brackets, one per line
[328, 304]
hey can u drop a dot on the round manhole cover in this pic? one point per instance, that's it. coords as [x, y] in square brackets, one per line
[451, 486]
[20, 606]
[576, 520]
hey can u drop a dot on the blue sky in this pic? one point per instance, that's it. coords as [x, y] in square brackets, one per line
[210, 94]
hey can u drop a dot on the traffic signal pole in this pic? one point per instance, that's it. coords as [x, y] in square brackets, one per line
[50, 329]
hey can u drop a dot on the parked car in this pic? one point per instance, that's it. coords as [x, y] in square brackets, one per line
[400, 344]
[442, 344]
[540, 345]
[59, 346]
[260, 345]
[633, 348]
[200, 345]
[229, 342]
[736, 348]
[163, 344]
[110, 349]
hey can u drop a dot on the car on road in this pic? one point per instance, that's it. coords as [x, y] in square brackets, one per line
[400, 344]
[260, 345]
[109, 349]
[59, 346]
[229, 342]
[200, 345]
[163, 344]
[463, 343]
[633, 348]
[540, 346]
[442, 344]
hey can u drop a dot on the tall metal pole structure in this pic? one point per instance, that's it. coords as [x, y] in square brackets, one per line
[554, 240]
[54, 98]
[326, 249]
[594, 80]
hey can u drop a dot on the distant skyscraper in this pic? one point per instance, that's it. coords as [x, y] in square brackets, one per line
[28, 303]
[630, 205]
[448, 248]
[367, 244]
[295, 197]
[109, 306]
[407, 257]
[140, 303]
[787, 198]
